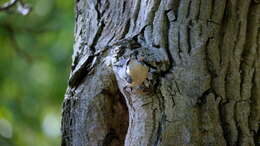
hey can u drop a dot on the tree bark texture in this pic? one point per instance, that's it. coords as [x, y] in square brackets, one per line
[164, 73]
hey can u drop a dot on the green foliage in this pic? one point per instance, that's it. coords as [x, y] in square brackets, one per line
[35, 55]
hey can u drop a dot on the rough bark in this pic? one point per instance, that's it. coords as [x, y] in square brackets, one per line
[202, 87]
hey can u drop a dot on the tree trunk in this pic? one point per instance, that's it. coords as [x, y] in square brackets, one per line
[164, 73]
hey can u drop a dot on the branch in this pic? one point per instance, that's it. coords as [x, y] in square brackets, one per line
[22, 8]
[8, 5]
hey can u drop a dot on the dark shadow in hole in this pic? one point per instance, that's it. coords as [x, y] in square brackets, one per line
[118, 125]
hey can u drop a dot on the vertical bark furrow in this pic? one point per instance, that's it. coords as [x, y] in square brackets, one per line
[66, 116]
[97, 35]
[220, 16]
[167, 35]
[219, 7]
[183, 11]
[255, 100]
[210, 127]
[179, 43]
[246, 74]
[157, 6]
[195, 9]
[184, 39]
[136, 9]
[205, 10]
[143, 15]
[236, 18]
[159, 26]
[251, 65]
[233, 83]
[231, 76]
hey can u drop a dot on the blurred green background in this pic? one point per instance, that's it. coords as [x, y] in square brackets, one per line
[35, 56]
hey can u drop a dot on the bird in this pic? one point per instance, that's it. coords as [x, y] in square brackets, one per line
[136, 72]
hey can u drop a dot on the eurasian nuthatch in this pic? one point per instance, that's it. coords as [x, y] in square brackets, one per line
[136, 72]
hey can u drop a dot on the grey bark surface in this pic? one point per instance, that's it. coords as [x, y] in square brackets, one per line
[164, 73]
